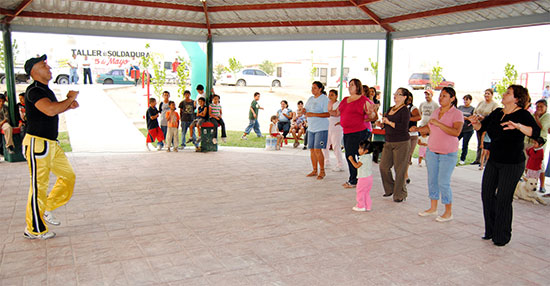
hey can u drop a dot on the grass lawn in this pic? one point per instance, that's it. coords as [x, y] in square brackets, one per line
[65, 141]
[233, 139]
[469, 158]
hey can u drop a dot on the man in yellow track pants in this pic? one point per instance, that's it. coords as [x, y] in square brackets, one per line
[42, 151]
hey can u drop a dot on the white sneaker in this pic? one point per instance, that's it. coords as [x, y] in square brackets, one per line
[338, 169]
[50, 218]
[359, 209]
[244, 137]
[461, 162]
[147, 146]
[224, 139]
[47, 235]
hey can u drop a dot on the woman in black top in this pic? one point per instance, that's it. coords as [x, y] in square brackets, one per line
[396, 148]
[507, 128]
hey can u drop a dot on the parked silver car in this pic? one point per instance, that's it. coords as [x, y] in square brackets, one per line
[250, 77]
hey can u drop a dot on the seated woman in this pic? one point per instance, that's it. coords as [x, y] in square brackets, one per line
[284, 115]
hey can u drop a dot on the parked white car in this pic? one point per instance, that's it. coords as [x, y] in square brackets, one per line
[251, 77]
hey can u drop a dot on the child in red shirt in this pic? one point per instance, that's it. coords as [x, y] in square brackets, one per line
[536, 155]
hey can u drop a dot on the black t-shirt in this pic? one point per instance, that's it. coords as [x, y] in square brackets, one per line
[507, 145]
[201, 109]
[38, 123]
[152, 123]
[187, 110]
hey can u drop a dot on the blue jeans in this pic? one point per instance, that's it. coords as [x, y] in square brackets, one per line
[253, 124]
[440, 169]
[465, 136]
[184, 127]
[73, 76]
[164, 131]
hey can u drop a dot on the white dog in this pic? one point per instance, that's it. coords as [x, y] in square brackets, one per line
[527, 190]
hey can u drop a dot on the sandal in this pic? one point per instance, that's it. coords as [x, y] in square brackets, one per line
[312, 174]
[321, 174]
[347, 185]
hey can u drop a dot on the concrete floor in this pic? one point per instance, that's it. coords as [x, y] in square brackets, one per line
[251, 217]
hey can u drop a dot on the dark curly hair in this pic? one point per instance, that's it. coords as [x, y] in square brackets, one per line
[521, 94]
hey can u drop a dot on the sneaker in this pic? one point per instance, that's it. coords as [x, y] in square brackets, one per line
[224, 139]
[50, 218]
[461, 163]
[47, 235]
[11, 150]
[359, 209]
[542, 190]
[244, 137]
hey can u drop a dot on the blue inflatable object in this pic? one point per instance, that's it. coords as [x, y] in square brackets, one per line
[198, 66]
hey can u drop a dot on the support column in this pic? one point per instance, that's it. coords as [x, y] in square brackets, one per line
[10, 76]
[10, 85]
[209, 67]
[388, 72]
[341, 72]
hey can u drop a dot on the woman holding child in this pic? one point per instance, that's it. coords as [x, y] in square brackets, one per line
[317, 132]
[444, 127]
[507, 128]
[355, 112]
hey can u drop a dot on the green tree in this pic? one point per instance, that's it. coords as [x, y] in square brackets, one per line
[374, 66]
[219, 69]
[234, 66]
[510, 77]
[267, 67]
[153, 60]
[3, 56]
[436, 77]
[183, 75]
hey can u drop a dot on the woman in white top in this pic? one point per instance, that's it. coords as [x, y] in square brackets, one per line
[335, 132]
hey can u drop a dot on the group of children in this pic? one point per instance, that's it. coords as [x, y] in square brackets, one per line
[190, 115]
[298, 126]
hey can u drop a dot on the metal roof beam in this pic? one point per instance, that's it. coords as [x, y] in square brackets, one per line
[106, 19]
[150, 4]
[225, 8]
[17, 11]
[454, 9]
[372, 15]
[292, 24]
[205, 7]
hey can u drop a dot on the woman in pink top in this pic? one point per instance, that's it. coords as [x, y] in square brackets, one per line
[355, 112]
[444, 127]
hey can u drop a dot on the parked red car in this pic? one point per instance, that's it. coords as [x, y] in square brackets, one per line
[422, 81]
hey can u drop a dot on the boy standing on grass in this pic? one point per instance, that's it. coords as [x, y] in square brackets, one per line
[153, 129]
[253, 117]
[163, 108]
[173, 120]
[187, 113]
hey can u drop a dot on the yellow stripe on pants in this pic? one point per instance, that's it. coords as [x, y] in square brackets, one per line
[45, 156]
